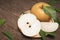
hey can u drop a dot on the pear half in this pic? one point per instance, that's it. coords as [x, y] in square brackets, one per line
[29, 25]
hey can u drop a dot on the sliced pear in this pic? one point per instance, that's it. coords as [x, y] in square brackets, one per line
[29, 25]
[49, 26]
[35, 25]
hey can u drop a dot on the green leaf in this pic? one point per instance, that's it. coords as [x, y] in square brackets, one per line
[57, 9]
[43, 34]
[8, 34]
[52, 2]
[2, 21]
[52, 13]
[51, 33]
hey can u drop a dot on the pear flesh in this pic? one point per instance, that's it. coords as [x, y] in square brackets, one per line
[29, 25]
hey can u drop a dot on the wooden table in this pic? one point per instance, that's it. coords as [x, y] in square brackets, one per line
[10, 10]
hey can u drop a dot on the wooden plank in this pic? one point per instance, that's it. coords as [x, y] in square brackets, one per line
[10, 10]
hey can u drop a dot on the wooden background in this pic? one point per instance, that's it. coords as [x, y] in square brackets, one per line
[10, 10]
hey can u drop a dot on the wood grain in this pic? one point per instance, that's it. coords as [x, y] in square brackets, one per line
[10, 10]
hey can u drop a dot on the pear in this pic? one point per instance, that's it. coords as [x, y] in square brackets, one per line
[49, 26]
[38, 11]
[29, 25]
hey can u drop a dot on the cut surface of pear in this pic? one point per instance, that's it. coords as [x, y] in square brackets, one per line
[49, 26]
[29, 25]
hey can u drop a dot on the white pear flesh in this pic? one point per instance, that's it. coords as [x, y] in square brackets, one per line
[49, 26]
[32, 21]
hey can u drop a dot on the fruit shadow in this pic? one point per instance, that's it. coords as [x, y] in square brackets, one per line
[51, 37]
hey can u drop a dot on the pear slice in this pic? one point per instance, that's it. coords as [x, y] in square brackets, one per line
[29, 25]
[49, 26]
